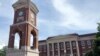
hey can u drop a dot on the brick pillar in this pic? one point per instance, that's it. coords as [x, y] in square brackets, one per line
[11, 41]
[35, 42]
[20, 44]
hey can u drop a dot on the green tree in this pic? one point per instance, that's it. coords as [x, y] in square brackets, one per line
[3, 51]
[96, 45]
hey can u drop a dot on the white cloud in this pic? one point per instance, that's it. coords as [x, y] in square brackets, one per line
[71, 17]
[0, 4]
[13, 1]
[2, 45]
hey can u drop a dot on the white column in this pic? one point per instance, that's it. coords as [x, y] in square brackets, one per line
[78, 53]
[48, 49]
[71, 49]
[64, 49]
[53, 48]
[58, 49]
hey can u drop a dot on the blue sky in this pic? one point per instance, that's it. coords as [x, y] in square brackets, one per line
[55, 17]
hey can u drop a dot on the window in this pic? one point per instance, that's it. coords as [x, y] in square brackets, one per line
[68, 51]
[51, 53]
[17, 41]
[82, 43]
[74, 51]
[55, 49]
[62, 53]
[40, 49]
[73, 43]
[68, 55]
[67, 44]
[45, 48]
[50, 47]
[31, 41]
[61, 45]
[74, 54]
[55, 46]
[89, 42]
[55, 53]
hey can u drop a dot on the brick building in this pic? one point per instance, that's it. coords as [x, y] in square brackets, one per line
[66, 45]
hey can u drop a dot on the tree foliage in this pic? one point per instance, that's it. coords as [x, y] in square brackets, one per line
[96, 45]
[3, 51]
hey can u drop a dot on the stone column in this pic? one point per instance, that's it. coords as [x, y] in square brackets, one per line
[58, 49]
[78, 53]
[48, 54]
[71, 48]
[24, 41]
[53, 48]
[64, 49]
[11, 41]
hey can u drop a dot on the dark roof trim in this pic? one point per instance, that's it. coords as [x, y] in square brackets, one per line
[87, 34]
[42, 40]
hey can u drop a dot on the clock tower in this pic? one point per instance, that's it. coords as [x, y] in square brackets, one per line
[24, 24]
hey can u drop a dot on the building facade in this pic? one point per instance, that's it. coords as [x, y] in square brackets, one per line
[66, 45]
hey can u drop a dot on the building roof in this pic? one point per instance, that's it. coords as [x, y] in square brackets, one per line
[90, 34]
[42, 41]
[73, 34]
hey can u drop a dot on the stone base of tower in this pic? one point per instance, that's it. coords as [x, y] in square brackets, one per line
[12, 52]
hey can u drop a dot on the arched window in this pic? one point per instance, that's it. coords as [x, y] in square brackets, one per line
[31, 41]
[17, 41]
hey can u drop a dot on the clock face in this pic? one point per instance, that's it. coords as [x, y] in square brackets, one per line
[32, 15]
[32, 18]
[21, 13]
[20, 17]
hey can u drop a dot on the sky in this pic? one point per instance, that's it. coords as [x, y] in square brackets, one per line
[55, 17]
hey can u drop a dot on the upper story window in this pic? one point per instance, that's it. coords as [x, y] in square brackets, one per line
[67, 44]
[55, 46]
[50, 46]
[89, 42]
[61, 45]
[73, 43]
[82, 43]
[40, 48]
[45, 47]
